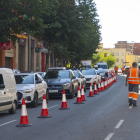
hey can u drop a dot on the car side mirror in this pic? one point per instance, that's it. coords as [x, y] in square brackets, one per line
[73, 77]
[2, 86]
[38, 81]
[83, 76]
[98, 73]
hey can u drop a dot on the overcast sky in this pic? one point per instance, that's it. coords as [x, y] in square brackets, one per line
[120, 21]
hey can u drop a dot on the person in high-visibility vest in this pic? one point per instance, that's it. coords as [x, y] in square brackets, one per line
[123, 70]
[133, 76]
[116, 70]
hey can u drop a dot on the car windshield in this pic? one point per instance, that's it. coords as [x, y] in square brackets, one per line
[100, 70]
[102, 66]
[57, 74]
[24, 79]
[88, 72]
[76, 74]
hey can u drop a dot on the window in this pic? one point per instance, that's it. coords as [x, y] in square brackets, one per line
[1, 79]
[117, 54]
[121, 60]
[117, 60]
[122, 54]
[24, 79]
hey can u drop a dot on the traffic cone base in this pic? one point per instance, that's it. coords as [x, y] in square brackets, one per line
[23, 125]
[79, 103]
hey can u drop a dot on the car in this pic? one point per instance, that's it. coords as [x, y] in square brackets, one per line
[8, 91]
[103, 65]
[42, 74]
[91, 76]
[31, 87]
[81, 78]
[102, 73]
[119, 70]
[57, 80]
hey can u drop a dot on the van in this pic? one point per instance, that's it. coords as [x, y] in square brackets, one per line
[104, 66]
[8, 91]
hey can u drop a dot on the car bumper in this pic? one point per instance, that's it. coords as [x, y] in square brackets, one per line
[55, 92]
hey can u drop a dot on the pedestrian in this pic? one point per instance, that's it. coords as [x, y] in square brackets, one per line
[133, 76]
[123, 70]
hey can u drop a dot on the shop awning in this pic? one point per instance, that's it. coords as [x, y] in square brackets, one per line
[21, 36]
[44, 50]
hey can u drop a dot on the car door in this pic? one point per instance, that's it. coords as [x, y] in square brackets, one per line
[38, 86]
[74, 81]
[5, 93]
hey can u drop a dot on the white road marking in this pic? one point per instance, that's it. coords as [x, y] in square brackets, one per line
[130, 107]
[109, 136]
[52, 106]
[8, 122]
[119, 124]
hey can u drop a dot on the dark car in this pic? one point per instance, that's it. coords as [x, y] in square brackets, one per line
[102, 73]
[57, 80]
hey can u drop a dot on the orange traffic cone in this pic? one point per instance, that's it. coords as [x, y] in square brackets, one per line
[105, 84]
[24, 122]
[44, 112]
[99, 86]
[64, 105]
[79, 99]
[95, 89]
[102, 86]
[90, 92]
[82, 94]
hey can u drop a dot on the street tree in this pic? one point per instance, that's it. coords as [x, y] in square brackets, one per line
[18, 16]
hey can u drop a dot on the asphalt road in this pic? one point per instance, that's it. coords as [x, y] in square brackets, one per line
[106, 116]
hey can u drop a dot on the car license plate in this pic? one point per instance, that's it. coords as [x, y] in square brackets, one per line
[51, 91]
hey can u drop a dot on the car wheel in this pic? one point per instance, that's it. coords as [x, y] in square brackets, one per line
[47, 96]
[35, 100]
[13, 109]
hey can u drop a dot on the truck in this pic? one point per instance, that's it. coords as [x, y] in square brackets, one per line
[86, 63]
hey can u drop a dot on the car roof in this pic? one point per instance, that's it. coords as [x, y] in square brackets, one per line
[25, 73]
[5, 70]
[58, 68]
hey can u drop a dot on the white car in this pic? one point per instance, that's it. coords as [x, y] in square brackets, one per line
[31, 87]
[8, 91]
[81, 79]
[91, 76]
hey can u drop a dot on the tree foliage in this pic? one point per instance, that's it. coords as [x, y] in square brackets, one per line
[109, 59]
[17, 16]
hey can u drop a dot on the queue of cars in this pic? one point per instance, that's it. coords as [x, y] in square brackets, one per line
[14, 86]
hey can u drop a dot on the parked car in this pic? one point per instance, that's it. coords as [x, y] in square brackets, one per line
[42, 74]
[102, 73]
[81, 78]
[31, 87]
[91, 76]
[57, 80]
[8, 91]
[104, 66]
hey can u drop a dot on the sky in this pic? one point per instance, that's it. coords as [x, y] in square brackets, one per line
[120, 21]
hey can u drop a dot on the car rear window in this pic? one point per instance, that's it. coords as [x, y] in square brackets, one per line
[102, 66]
[57, 74]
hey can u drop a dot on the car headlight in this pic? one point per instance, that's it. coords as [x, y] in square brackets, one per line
[66, 85]
[27, 90]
